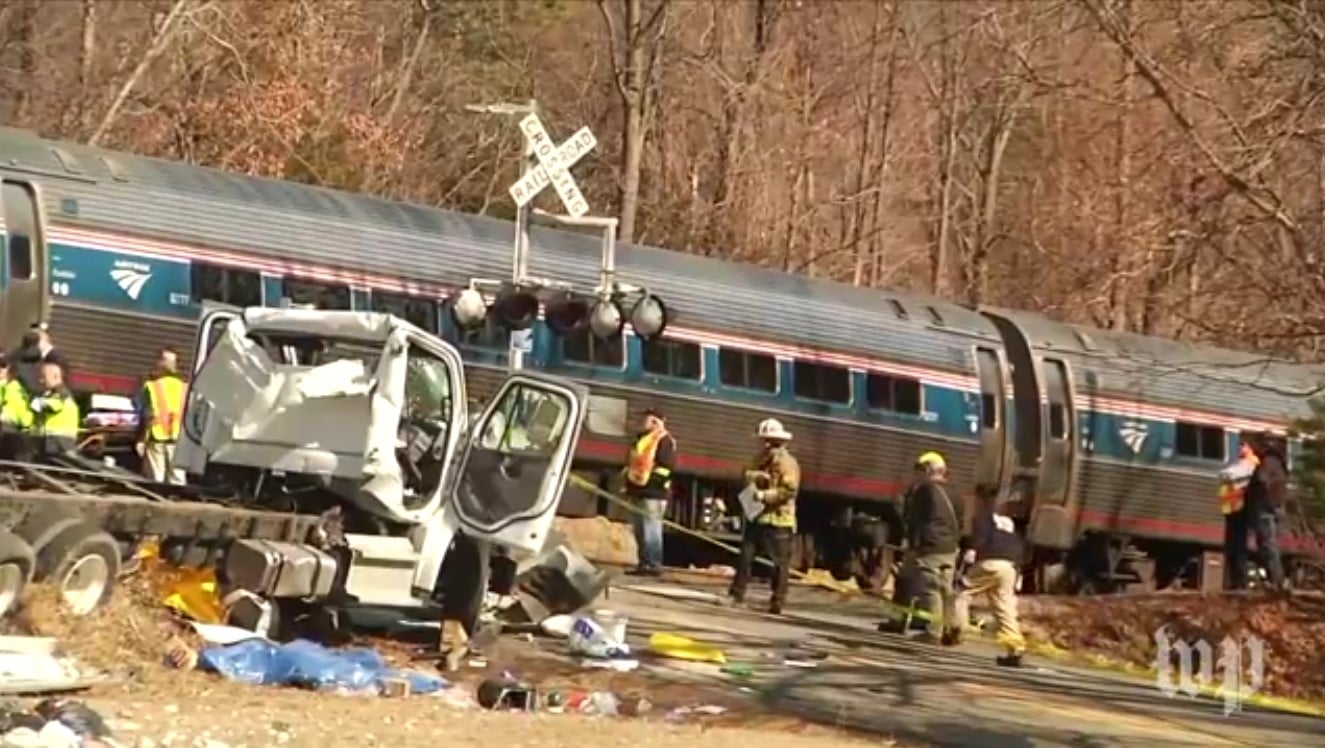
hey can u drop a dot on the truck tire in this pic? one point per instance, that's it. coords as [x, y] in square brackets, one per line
[41, 526]
[16, 564]
[82, 562]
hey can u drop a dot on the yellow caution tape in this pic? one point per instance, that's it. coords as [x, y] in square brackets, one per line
[906, 613]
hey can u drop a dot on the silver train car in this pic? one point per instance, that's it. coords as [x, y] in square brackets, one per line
[1112, 440]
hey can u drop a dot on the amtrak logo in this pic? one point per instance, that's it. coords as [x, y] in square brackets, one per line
[1134, 435]
[130, 281]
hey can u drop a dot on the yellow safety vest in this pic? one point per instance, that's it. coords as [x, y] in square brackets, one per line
[1232, 494]
[14, 410]
[166, 395]
[786, 478]
[643, 460]
[59, 417]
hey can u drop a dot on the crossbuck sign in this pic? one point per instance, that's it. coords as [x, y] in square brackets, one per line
[554, 164]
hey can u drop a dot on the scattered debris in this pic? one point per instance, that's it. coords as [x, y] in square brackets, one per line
[29, 665]
[681, 712]
[304, 663]
[683, 648]
[53, 723]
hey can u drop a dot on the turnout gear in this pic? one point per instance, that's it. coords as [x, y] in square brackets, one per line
[933, 524]
[775, 479]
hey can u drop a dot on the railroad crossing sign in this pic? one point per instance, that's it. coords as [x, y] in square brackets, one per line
[554, 164]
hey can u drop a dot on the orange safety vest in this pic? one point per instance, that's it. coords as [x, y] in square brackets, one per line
[643, 457]
[167, 398]
[1232, 494]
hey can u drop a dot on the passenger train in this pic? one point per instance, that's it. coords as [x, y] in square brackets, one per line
[1112, 440]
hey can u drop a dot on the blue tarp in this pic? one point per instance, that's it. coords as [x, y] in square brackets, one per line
[308, 664]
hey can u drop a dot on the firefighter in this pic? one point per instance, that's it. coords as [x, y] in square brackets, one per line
[992, 566]
[161, 412]
[649, 467]
[54, 413]
[15, 415]
[932, 519]
[774, 479]
[1233, 481]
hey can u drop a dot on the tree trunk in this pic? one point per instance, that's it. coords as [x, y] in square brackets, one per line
[159, 40]
[26, 39]
[1121, 252]
[856, 215]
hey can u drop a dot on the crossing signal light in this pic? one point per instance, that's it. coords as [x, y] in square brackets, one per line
[648, 318]
[468, 309]
[566, 314]
[516, 309]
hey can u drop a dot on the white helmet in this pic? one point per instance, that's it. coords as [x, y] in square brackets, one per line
[771, 428]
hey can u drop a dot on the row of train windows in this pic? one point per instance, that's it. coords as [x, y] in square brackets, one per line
[669, 358]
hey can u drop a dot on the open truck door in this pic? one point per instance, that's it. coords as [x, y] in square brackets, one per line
[513, 467]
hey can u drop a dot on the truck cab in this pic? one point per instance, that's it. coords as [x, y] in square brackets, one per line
[363, 417]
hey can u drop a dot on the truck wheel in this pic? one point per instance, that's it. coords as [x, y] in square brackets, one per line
[82, 561]
[16, 563]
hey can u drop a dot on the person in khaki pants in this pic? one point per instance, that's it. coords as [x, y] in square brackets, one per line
[994, 559]
[161, 414]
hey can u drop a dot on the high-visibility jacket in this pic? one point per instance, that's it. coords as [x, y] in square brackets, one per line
[55, 413]
[164, 396]
[780, 476]
[1233, 481]
[14, 410]
[649, 464]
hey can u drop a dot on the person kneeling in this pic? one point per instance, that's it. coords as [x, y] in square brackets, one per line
[994, 557]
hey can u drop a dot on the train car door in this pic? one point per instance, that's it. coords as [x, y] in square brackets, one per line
[992, 428]
[1058, 468]
[1027, 424]
[24, 281]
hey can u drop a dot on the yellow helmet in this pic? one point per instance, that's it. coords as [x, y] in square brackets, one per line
[931, 461]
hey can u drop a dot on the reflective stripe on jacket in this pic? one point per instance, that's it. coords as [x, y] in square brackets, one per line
[1233, 482]
[165, 397]
[14, 410]
[779, 494]
[58, 416]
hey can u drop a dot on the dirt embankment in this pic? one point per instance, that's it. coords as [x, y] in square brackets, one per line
[1124, 628]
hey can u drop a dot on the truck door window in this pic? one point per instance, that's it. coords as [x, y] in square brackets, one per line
[424, 433]
[528, 421]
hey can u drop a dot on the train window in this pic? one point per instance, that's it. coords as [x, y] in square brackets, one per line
[831, 384]
[583, 347]
[673, 358]
[319, 295]
[225, 285]
[751, 371]
[20, 216]
[988, 411]
[1200, 441]
[1057, 421]
[489, 335]
[421, 313]
[898, 394]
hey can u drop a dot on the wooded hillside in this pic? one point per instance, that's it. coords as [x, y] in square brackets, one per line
[1149, 166]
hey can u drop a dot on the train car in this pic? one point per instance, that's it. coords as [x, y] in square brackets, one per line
[118, 252]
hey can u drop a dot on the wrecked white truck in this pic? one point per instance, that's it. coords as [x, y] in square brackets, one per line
[334, 463]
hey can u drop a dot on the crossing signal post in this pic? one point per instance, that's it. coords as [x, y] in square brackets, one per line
[516, 303]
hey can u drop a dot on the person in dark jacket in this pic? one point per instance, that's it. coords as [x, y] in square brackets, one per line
[933, 522]
[648, 471]
[37, 349]
[1267, 492]
[993, 563]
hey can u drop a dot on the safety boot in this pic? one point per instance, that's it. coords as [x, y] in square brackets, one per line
[951, 638]
[1012, 659]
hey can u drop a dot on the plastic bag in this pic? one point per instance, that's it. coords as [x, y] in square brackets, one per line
[305, 663]
[588, 637]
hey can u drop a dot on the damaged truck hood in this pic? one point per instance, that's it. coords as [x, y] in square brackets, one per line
[327, 414]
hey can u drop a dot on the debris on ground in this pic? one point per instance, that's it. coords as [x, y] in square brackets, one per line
[683, 648]
[1123, 628]
[52, 723]
[304, 663]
